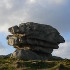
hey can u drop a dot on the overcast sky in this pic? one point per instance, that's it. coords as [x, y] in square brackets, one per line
[52, 12]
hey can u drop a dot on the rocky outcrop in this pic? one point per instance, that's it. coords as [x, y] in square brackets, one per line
[33, 40]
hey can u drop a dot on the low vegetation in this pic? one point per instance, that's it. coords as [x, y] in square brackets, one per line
[16, 64]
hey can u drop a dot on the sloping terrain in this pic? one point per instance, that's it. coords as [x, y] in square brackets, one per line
[16, 64]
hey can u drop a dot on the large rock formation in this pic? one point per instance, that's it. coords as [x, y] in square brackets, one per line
[33, 40]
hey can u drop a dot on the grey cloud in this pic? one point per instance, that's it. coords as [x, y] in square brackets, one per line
[10, 15]
[42, 12]
[57, 15]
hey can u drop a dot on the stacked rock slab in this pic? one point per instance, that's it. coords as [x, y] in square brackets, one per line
[33, 40]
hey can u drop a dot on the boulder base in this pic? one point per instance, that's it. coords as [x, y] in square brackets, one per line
[30, 55]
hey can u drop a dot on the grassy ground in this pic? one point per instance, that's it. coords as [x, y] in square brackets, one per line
[16, 64]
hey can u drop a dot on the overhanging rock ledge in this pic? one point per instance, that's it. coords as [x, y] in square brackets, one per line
[34, 41]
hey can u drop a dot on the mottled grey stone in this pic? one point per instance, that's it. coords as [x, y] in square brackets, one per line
[38, 31]
[28, 55]
[34, 41]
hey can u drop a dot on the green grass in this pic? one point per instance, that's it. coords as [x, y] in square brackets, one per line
[16, 64]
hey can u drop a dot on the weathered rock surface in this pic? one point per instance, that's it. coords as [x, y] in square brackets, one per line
[38, 31]
[30, 55]
[35, 40]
